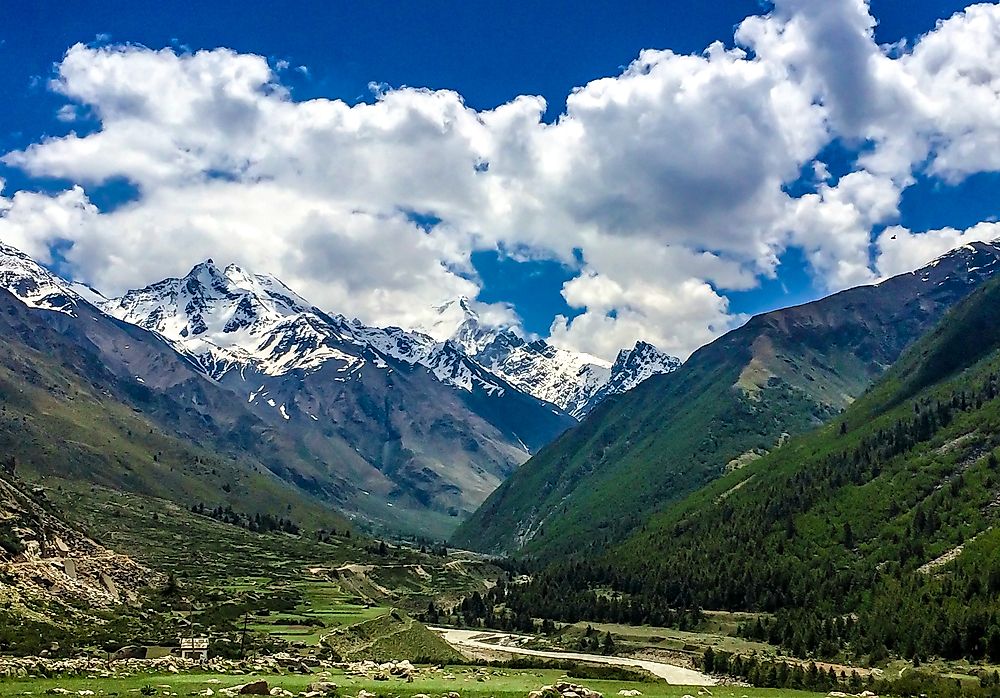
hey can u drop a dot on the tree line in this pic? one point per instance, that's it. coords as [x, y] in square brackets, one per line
[830, 537]
[258, 523]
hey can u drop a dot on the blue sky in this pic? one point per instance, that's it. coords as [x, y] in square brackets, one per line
[489, 54]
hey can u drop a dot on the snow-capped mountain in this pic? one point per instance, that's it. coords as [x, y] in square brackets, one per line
[391, 427]
[231, 320]
[458, 320]
[35, 285]
[565, 378]
[446, 360]
[575, 381]
[632, 367]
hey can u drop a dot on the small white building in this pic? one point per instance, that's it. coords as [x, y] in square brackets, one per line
[194, 648]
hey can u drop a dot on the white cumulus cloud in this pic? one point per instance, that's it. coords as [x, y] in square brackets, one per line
[665, 187]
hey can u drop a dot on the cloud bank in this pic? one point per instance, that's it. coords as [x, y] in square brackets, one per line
[666, 186]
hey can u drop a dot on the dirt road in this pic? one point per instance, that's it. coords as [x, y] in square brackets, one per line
[486, 640]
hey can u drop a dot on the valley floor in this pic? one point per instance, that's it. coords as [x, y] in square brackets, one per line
[469, 682]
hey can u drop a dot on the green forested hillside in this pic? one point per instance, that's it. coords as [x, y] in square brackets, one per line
[877, 533]
[785, 372]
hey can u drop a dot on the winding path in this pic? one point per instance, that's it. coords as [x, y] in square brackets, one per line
[478, 639]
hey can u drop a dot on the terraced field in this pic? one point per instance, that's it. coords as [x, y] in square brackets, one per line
[281, 588]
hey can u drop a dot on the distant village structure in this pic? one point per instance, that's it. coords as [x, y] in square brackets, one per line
[194, 648]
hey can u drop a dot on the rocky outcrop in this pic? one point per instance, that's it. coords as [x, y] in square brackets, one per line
[564, 689]
[101, 667]
[45, 559]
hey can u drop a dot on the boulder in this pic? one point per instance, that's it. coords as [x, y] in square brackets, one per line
[255, 688]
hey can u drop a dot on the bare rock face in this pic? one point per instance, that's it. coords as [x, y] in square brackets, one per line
[50, 560]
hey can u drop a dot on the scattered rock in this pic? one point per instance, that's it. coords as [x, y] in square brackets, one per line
[255, 688]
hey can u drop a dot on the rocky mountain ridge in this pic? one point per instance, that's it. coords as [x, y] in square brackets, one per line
[575, 381]
[410, 436]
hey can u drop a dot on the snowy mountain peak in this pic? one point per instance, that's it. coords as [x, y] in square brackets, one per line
[473, 325]
[462, 304]
[572, 380]
[565, 378]
[631, 367]
[208, 303]
[231, 319]
[33, 284]
[635, 365]
[205, 274]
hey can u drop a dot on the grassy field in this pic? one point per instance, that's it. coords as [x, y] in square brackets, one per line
[389, 637]
[468, 681]
[323, 606]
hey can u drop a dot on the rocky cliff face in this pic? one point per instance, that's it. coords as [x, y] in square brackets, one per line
[45, 562]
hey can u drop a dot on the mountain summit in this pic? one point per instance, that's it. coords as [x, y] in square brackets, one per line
[574, 381]
[33, 284]
[460, 321]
